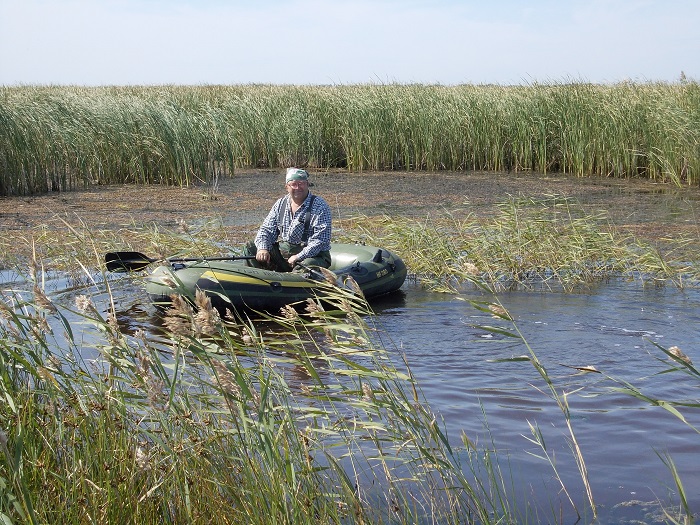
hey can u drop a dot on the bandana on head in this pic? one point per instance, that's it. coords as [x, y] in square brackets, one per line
[296, 174]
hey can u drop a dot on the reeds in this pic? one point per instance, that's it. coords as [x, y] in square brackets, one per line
[673, 361]
[54, 137]
[551, 244]
[204, 426]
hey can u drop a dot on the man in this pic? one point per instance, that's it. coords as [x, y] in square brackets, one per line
[297, 229]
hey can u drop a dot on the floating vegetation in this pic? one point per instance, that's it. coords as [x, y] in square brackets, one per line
[549, 244]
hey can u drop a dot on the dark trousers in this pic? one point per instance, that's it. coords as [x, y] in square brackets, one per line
[281, 251]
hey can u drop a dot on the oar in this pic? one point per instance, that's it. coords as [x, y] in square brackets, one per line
[134, 261]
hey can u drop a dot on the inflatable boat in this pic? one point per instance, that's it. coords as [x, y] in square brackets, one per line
[231, 283]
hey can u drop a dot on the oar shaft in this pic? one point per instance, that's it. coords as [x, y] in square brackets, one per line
[134, 261]
[232, 258]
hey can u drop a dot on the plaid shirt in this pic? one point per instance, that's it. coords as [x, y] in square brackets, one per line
[292, 228]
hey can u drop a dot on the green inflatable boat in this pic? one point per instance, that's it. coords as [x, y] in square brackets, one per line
[231, 284]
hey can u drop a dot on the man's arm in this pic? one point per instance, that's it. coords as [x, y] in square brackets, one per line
[267, 234]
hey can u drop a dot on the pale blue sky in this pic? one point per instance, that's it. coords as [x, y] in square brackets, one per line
[103, 42]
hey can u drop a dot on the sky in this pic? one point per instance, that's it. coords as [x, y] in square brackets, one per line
[320, 42]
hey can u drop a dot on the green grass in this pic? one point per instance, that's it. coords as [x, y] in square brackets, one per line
[549, 244]
[64, 137]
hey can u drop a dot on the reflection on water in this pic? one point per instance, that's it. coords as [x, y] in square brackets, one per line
[461, 371]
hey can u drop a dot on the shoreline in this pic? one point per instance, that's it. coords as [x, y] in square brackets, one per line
[649, 209]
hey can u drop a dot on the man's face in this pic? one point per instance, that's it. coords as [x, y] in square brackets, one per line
[298, 188]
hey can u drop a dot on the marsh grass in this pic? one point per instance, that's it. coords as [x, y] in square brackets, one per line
[551, 244]
[305, 418]
[498, 311]
[65, 137]
[673, 361]
[76, 248]
[201, 425]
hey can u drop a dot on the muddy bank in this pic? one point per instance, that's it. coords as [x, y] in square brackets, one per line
[648, 209]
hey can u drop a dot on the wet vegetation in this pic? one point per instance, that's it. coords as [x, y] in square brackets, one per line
[303, 417]
[65, 137]
[203, 426]
[543, 244]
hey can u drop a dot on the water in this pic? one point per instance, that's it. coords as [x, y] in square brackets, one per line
[611, 328]
[464, 372]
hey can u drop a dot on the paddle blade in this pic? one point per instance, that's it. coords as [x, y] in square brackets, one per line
[126, 261]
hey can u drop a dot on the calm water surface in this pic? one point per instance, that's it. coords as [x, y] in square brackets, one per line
[611, 328]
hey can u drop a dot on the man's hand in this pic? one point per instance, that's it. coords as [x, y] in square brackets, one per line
[262, 256]
[292, 260]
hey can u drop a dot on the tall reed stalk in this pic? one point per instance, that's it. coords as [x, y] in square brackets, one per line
[63, 137]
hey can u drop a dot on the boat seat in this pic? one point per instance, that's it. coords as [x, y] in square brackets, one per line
[342, 260]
